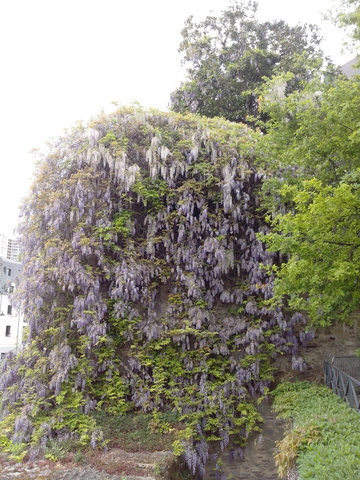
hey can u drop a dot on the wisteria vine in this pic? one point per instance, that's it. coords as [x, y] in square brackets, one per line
[144, 283]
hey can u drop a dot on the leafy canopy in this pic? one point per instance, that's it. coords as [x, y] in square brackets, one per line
[312, 147]
[320, 235]
[228, 57]
[313, 133]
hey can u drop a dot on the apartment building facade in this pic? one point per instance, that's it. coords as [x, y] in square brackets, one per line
[9, 248]
[11, 321]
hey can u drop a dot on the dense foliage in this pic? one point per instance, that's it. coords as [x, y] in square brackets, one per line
[313, 141]
[321, 237]
[143, 284]
[324, 436]
[313, 133]
[229, 56]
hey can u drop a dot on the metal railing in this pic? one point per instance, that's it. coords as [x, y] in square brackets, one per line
[342, 375]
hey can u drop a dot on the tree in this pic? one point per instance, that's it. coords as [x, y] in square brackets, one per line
[320, 236]
[313, 133]
[143, 284]
[228, 57]
[312, 146]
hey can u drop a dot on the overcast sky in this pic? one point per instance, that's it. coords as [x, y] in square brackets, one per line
[65, 60]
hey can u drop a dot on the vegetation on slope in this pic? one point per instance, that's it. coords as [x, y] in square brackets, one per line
[324, 435]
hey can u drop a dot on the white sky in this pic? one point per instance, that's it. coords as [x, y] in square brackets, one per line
[65, 60]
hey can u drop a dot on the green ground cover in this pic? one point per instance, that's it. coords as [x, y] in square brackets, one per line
[324, 433]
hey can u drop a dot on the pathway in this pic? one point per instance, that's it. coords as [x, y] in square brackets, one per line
[258, 463]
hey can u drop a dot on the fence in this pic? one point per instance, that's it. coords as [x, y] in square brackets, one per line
[342, 375]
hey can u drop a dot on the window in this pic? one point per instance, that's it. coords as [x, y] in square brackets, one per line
[2, 355]
[8, 331]
[9, 310]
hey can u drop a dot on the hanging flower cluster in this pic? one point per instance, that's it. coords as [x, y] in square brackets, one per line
[144, 284]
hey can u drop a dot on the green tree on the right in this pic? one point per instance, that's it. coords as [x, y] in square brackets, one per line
[313, 197]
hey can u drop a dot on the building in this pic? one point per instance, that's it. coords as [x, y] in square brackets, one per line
[11, 321]
[13, 250]
[351, 69]
[9, 248]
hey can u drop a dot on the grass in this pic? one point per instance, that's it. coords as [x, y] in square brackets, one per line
[138, 432]
[324, 434]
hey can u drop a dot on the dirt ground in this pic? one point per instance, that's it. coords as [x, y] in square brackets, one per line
[335, 341]
[116, 464]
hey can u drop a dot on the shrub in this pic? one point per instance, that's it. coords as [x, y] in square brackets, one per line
[324, 438]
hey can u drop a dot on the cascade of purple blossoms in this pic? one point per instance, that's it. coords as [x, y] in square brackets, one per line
[140, 240]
